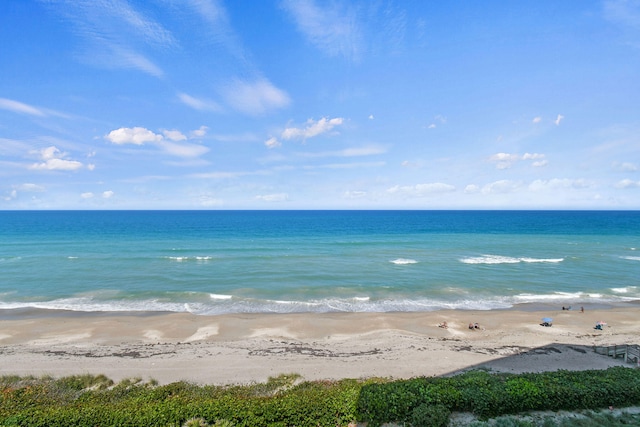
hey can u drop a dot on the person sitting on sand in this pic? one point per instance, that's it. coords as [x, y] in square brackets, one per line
[443, 325]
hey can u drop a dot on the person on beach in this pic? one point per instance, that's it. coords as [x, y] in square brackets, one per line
[443, 325]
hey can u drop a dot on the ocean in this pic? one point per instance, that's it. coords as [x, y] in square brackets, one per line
[217, 262]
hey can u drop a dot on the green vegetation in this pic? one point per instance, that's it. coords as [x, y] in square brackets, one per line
[286, 401]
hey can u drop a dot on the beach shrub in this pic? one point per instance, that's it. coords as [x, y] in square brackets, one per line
[426, 415]
[196, 422]
[490, 395]
[84, 401]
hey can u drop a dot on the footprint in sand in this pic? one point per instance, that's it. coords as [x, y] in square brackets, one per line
[60, 339]
[272, 332]
[203, 333]
[153, 335]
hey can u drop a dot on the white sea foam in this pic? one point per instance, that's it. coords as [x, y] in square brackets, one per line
[498, 259]
[631, 258]
[189, 258]
[72, 257]
[624, 290]
[220, 297]
[403, 261]
[547, 297]
[225, 305]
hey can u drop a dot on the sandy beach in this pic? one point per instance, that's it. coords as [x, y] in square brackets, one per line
[247, 348]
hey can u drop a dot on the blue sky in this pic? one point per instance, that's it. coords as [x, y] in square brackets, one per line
[212, 104]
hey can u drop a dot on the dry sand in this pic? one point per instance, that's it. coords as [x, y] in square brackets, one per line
[247, 348]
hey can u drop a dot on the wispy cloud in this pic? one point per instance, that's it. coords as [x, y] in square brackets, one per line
[115, 33]
[332, 27]
[199, 103]
[623, 12]
[22, 108]
[255, 97]
[371, 150]
[19, 107]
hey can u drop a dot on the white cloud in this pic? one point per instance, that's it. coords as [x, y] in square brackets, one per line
[410, 164]
[627, 183]
[312, 128]
[536, 119]
[209, 200]
[558, 183]
[19, 107]
[502, 186]
[174, 135]
[272, 142]
[107, 194]
[506, 160]
[421, 190]
[167, 143]
[439, 119]
[30, 187]
[183, 150]
[471, 188]
[371, 117]
[354, 194]
[199, 104]
[12, 195]
[87, 195]
[558, 119]
[278, 197]
[136, 135]
[624, 166]
[255, 98]
[330, 27]
[199, 133]
[53, 159]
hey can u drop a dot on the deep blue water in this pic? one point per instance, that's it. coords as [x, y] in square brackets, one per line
[210, 262]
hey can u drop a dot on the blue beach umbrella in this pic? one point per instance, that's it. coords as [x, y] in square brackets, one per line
[547, 319]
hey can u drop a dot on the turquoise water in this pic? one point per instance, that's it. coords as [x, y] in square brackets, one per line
[212, 262]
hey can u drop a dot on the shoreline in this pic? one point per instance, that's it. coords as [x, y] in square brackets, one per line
[247, 348]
